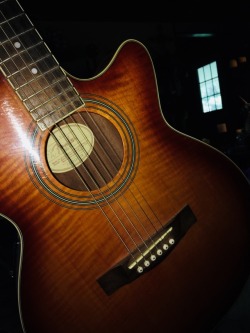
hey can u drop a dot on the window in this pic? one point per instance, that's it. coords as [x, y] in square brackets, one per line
[209, 87]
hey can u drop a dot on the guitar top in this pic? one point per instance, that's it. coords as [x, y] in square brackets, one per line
[125, 224]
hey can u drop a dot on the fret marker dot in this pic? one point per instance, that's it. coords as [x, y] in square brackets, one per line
[17, 45]
[34, 71]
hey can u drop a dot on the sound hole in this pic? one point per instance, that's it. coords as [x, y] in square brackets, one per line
[85, 153]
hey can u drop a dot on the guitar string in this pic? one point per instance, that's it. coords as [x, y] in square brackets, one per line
[87, 112]
[104, 137]
[74, 166]
[92, 195]
[94, 180]
[24, 79]
[135, 214]
[100, 131]
[107, 170]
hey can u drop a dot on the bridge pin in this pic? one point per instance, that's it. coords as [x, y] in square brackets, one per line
[139, 269]
[165, 247]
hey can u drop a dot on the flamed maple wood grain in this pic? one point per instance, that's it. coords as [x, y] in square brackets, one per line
[66, 249]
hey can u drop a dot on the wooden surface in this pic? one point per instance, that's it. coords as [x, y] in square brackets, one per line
[68, 242]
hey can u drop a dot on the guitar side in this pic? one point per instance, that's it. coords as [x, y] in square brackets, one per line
[68, 245]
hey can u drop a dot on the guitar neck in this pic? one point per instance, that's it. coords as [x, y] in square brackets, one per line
[32, 70]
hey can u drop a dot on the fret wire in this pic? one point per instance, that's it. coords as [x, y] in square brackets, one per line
[40, 62]
[38, 111]
[17, 36]
[47, 86]
[10, 8]
[52, 86]
[50, 121]
[22, 20]
[18, 24]
[59, 89]
[38, 77]
[62, 106]
[27, 68]
[35, 78]
[27, 54]
[12, 26]
[16, 53]
[29, 36]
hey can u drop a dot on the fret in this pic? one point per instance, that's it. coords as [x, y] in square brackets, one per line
[41, 82]
[18, 69]
[55, 95]
[29, 53]
[27, 71]
[32, 70]
[28, 39]
[35, 85]
[16, 26]
[9, 9]
[55, 117]
[36, 52]
[13, 65]
[25, 76]
[45, 110]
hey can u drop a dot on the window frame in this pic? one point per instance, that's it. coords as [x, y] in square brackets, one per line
[209, 87]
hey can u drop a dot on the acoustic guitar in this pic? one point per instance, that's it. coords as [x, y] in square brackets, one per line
[125, 224]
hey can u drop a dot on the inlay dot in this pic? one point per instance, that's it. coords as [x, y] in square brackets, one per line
[17, 45]
[34, 70]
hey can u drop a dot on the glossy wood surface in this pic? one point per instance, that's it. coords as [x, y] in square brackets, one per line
[67, 247]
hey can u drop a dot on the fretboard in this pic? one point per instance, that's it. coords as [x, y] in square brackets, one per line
[32, 70]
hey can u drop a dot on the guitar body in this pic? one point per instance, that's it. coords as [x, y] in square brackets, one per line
[75, 229]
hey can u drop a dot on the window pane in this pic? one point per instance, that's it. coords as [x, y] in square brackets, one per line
[205, 105]
[201, 75]
[218, 101]
[212, 103]
[208, 74]
[209, 87]
[214, 69]
[203, 90]
[216, 86]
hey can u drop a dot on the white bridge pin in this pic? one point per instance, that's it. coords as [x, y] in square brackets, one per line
[153, 257]
[139, 269]
[159, 252]
[165, 247]
[171, 241]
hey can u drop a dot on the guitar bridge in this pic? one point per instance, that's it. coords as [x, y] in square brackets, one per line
[150, 254]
